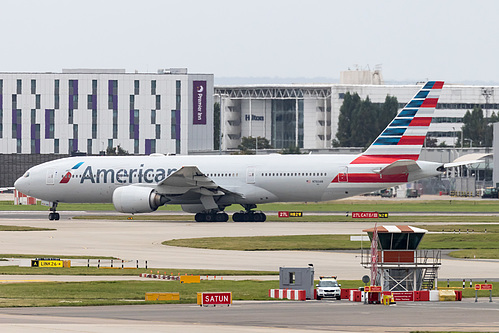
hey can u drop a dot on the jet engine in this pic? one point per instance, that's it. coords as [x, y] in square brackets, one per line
[137, 199]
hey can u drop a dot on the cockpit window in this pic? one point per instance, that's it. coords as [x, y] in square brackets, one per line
[26, 175]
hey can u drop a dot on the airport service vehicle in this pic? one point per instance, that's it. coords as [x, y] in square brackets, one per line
[206, 185]
[328, 287]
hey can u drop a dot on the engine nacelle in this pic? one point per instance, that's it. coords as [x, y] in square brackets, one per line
[137, 199]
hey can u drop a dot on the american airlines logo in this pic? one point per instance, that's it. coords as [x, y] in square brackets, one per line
[121, 176]
[67, 177]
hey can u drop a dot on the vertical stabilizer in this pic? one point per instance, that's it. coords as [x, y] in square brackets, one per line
[404, 137]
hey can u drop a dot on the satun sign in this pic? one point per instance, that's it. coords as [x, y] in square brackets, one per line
[214, 298]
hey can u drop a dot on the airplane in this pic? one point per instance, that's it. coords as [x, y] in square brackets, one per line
[206, 185]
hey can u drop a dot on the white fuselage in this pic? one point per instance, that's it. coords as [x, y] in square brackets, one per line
[257, 179]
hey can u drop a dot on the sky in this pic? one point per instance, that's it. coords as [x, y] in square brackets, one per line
[451, 40]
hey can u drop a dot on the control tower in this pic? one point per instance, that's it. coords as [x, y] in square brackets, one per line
[398, 264]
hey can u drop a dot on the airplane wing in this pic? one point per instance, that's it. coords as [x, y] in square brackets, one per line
[400, 167]
[190, 179]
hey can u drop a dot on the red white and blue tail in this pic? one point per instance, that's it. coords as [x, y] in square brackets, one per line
[404, 137]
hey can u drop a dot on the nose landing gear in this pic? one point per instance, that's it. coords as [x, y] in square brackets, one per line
[53, 215]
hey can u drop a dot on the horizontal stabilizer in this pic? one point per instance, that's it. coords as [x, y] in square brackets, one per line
[400, 167]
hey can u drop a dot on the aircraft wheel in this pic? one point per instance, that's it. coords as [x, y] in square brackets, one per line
[236, 217]
[51, 216]
[222, 217]
[257, 217]
[199, 217]
[57, 216]
[209, 217]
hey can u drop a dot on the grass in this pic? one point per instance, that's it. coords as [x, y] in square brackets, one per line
[32, 256]
[475, 241]
[306, 218]
[79, 270]
[122, 292]
[133, 292]
[22, 228]
[387, 205]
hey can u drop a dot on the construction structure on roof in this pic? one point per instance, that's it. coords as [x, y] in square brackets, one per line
[397, 263]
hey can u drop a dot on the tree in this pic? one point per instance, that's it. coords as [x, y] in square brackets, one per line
[116, 151]
[344, 134]
[291, 150]
[361, 121]
[477, 129]
[249, 144]
[387, 112]
[430, 142]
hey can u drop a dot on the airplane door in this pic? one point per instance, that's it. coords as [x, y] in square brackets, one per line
[343, 175]
[250, 175]
[51, 174]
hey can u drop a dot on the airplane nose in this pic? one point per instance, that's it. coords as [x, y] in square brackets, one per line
[21, 184]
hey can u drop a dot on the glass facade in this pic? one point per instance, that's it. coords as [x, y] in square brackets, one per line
[287, 123]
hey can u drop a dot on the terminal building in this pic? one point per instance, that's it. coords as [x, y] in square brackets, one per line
[306, 115]
[89, 110]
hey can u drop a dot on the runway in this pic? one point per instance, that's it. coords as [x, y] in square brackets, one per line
[141, 240]
[272, 316]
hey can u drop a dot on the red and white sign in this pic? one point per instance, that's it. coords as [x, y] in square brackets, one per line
[220, 298]
[403, 296]
[373, 289]
[365, 215]
[283, 214]
[483, 286]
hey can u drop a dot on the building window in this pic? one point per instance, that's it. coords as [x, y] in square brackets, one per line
[56, 146]
[19, 89]
[136, 146]
[153, 116]
[158, 102]
[33, 87]
[115, 131]
[37, 101]
[110, 143]
[132, 102]
[33, 116]
[56, 94]
[173, 121]
[158, 131]
[136, 86]
[14, 102]
[89, 146]
[153, 87]
[94, 87]
[19, 146]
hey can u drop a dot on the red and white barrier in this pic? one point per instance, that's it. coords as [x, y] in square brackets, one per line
[23, 199]
[294, 295]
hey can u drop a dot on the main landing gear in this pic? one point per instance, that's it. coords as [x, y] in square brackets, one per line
[249, 215]
[53, 214]
[211, 217]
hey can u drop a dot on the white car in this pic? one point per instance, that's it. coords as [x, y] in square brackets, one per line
[328, 287]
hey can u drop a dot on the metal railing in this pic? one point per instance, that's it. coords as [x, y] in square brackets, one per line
[421, 258]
